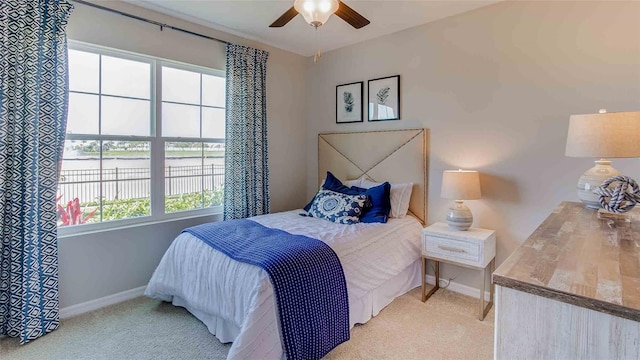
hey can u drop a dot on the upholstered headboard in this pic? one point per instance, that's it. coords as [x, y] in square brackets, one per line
[397, 156]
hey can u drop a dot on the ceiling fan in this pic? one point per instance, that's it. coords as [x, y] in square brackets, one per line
[317, 12]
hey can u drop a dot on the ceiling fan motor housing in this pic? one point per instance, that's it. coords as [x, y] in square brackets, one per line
[316, 12]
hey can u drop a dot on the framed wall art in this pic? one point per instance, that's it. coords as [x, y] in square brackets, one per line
[349, 107]
[384, 98]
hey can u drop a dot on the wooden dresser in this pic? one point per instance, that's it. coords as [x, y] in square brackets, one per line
[571, 290]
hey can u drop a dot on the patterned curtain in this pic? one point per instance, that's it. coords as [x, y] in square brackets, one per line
[33, 115]
[246, 181]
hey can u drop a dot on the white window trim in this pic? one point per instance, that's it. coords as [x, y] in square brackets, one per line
[85, 229]
[157, 154]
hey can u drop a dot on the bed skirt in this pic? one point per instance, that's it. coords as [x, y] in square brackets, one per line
[360, 311]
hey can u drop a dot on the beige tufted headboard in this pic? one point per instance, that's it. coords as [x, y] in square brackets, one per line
[397, 156]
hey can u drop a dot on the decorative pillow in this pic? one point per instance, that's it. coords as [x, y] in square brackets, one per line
[380, 203]
[334, 184]
[400, 196]
[348, 183]
[377, 211]
[337, 207]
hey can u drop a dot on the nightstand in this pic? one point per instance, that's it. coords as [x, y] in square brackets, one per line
[474, 249]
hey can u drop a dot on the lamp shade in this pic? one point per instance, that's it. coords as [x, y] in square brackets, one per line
[605, 135]
[460, 185]
[316, 12]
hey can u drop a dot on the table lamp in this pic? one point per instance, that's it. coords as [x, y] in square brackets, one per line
[460, 185]
[602, 135]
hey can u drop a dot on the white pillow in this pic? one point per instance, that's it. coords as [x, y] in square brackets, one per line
[351, 183]
[400, 196]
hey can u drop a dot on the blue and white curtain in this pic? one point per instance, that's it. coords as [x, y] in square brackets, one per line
[246, 181]
[33, 113]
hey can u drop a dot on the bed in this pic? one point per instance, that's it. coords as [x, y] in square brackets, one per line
[235, 300]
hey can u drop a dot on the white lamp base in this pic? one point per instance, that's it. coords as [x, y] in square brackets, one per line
[593, 178]
[459, 216]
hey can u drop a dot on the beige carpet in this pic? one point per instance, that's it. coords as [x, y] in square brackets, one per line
[445, 327]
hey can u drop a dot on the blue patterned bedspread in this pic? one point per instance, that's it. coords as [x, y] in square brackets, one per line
[307, 278]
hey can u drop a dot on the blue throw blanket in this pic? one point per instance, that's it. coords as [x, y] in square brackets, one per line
[308, 282]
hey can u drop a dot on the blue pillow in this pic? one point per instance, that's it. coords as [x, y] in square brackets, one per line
[380, 201]
[334, 184]
[337, 207]
[379, 195]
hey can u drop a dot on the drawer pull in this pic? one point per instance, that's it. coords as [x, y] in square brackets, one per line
[451, 248]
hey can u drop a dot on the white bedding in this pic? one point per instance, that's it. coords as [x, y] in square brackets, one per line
[236, 300]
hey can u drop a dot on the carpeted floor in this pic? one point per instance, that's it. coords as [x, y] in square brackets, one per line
[445, 327]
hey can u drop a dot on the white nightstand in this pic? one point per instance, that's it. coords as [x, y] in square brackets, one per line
[474, 248]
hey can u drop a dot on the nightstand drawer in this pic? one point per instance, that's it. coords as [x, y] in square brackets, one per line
[474, 247]
[452, 249]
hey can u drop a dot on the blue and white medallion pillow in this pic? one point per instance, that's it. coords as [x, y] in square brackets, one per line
[337, 207]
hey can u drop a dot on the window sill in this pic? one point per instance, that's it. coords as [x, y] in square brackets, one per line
[87, 229]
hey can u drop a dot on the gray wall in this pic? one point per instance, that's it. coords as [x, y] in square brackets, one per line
[98, 264]
[496, 86]
[102, 263]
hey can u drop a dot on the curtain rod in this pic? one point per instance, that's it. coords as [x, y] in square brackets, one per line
[161, 25]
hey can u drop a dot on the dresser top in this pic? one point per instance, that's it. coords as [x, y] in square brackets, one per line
[442, 230]
[576, 258]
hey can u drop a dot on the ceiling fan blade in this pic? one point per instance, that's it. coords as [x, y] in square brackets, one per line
[351, 16]
[285, 18]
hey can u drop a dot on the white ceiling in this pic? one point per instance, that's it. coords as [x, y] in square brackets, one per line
[251, 19]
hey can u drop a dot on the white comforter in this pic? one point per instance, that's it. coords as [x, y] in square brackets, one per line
[236, 299]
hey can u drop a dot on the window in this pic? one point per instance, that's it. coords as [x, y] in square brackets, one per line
[129, 117]
[192, 108]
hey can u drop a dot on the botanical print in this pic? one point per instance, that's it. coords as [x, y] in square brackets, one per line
[383, 95]
[349, 103]
[384, 98]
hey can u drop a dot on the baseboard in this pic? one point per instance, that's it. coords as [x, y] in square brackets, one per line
[96, 304]
[459, 288]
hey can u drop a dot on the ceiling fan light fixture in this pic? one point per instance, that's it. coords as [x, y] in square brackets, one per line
[316, 12]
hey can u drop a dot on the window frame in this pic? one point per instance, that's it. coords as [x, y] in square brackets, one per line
[155, 138]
